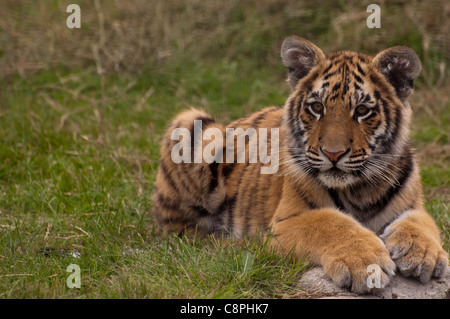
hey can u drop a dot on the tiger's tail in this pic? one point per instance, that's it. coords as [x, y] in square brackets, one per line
[188, 188]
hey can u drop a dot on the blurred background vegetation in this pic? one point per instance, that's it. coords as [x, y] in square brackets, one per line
[82, 112]
[128, 35]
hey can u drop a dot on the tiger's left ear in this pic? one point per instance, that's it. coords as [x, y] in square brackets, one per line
[401, 66]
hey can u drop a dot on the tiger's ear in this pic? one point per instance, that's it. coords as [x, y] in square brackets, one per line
[401, 66]
[299, 56]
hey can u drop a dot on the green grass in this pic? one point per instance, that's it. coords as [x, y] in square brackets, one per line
[79, 151]
[207, 269]
[69, 185]
[76, 182]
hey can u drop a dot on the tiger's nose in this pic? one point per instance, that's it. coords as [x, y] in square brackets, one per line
[334, 156]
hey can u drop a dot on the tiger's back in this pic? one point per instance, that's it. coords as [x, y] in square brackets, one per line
[233, 198]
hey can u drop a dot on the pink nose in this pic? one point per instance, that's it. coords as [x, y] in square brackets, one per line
[334, 156]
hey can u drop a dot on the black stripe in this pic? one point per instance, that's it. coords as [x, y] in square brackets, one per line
[377, 94]
[336, 86]
[205, 121]
[386, 141]
[314, 75]
[167, 175]
[298, 108]
[188, 180]
[366, 98]
[360, 70]
[372, 209]
[167, 203]
[345, 89]
[290, 118]
[349, 59]
[374, 125]
[374, 80]
[357, 162]
[282, 219]
[357, 78]
[358, 153]
[258, 118]
[337, 201]
[379, 83]
[312, 151]
[213, 168]
[297, 151]
[223, 206]
[328, 68]
[262, 116]
[387, 113]
[326, 77]
[334, 97]
[373, 114]
[307, 110]
[314, 94]
[200, 211]
[345, 71]
[301, 193]
[376, 108]
[191, 132]
[227, 169]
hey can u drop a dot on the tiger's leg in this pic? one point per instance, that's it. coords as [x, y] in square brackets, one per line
[186, 192]
[333, 240]
[415, 245]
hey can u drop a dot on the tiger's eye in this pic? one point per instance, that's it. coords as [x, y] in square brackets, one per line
[317, 107]
[361, 110]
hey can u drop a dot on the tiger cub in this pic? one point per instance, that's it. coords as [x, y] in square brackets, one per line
[347, 193]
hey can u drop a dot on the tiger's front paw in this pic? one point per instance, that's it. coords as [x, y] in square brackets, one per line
[361, 264]
[415, 252]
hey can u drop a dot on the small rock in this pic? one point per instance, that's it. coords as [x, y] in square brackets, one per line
[319, 284]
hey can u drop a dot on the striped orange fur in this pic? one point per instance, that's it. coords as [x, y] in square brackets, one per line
[347, 193]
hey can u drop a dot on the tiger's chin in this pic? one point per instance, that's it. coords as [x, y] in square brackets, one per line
[336, 178]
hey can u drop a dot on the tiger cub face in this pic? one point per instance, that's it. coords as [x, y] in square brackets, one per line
[347, 117]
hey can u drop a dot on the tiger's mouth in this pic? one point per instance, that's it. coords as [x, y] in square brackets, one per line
[336, 177]
[335, 172]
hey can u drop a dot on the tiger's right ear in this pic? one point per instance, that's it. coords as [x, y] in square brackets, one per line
[299, 56]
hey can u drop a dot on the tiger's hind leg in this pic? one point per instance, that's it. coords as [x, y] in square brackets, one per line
[187, 195]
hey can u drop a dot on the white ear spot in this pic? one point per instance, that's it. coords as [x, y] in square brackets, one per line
[400, 66]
